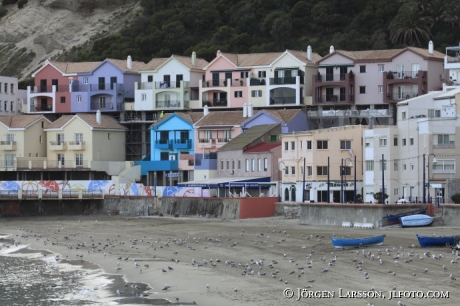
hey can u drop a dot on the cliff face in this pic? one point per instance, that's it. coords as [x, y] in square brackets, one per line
[44, 29]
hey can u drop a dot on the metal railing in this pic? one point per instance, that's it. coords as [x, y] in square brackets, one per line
[75, 143]
[333, 98]
[106, 86]
[403, 75]
[57, 143]
[402, 95]
[168, 103]
[41, 108]
[282, 100]
[8, 142]
[285, 80]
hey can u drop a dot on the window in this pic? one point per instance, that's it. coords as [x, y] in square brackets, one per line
[62, 99]
[0, 86]
[444, 166]
[444, 140]
[150, 78]
[259, 164]
[228, 164]
[79, 159]
[6, 87]
[382, 142]
[262, 74]
[434, 113]
[404, 166]
[1, 105]
[60, 158]
[286, 170]
[321, 144]
[85, 80]
[239, 163]
[396, 192]
[40, 139]
[10, 138]
[381, 68]
[345, 144]
[292, 145]
[6, 106]
[321, 170]
[165, 156]
[12, 88]
[256, 93]
[380, 88]
[292, 170]
[12, 106]
[411, 141]
[273, 138]
[411, 166]
[346, 170]
[369, 165]
[362, 89]
[253, 165]
[403, 115]
[395, 140]
[9, 160]
[247, 165]
[265, 164]
[238, 94]
[308, 144]
[244, 74]
[101, 83]
[78, 138]
[286, 146]
[300, 145]
[404, 141]
[384, 164]
[60, 139]
[78, 99]
[309, 170]
[362, 69]
[144, 97]
[396, 165]
[101, 102]
[221, 164]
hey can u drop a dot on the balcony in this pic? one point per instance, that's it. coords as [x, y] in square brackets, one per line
[48, 89]
[215, 83]
[257, 82]
[404, 75]
[223, 140]
[182, 144]
[216, 102]
[207, 161]
[68, 164]
[334, 99]
[171, 84]
[34, 108]
[444, 146]
[186, 161]
[399, 96]
[207, 142]
[144, 85]
[106, 106]
[282, 100]
[58, 145]
[168, 104]
[286, 80]
[164, 144]
[7, 145]
[76, 145]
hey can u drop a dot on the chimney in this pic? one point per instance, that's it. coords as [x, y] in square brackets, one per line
[98, 116]
[129, 62]
[205, 110]
[250, 110]
[245, 110]
[309, 53]
[331, 49]
[193, 58]
[218, 53]
[430, 47]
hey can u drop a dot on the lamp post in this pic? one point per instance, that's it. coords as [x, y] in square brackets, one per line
[279, 178]
[345, 173]
[428, 179]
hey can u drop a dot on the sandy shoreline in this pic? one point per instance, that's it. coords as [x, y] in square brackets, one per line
[243, 243]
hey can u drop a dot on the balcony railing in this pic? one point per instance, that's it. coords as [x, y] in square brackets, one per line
[214, 83]
[163, 144]
[333, 98]
[68, 164]
[40, 108]
[402, 96]
[285, 80]
[257, 81]
[9, 145]
[169, 84]
[106, 106]
[168, 103]
[444, 146]
[282, 100]
[103, 86]
[182, 143]
[76, 145]
[215, 102]
[404, 74]
[206, 140]
[48, 89]
[144, 85]
[58, 145]
[223, 140]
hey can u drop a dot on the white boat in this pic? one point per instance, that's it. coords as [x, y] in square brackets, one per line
[416, 220]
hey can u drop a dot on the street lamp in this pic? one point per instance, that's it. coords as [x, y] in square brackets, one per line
[345, 173]
[428, 179]
[279, 178]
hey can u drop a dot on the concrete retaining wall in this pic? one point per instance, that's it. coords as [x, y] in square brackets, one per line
[451, 214]
[335, 214]
[127, 205]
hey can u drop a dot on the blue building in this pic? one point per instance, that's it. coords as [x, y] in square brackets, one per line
[172, 150]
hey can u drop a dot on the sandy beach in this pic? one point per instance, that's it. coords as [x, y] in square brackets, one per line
[277, 250]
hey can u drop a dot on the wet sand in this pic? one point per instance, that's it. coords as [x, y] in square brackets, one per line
[256, 243]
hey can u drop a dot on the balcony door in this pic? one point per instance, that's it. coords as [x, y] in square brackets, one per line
[43, 104]
[401, 92]
[42, 85]
[164, 137]
[183, 136]
[343, 73]
[60, 138]
[329, 74]
[415, 69]
[215, 79]
[101, 83]
[400, 71]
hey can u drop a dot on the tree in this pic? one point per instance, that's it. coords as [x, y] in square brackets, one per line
[409, 26]
[281, 32]
[456, 198]
[378, 196]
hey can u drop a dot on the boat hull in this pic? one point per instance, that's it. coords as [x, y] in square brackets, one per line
[416, 221]
[395, 219]
[344, 243]
[433, 241]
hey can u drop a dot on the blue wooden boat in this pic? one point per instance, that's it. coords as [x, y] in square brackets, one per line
[434, 241]
[416, 221]
[350, 242]
[395, 219]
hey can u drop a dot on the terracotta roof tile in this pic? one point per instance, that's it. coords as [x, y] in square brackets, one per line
[122, 65]
[283, 115]
[60, 122]
[263, 147]
[71, 67]
[154, 63]
[248, 137]
[262, 59]
[223, 118]
[387, 54]
[187, 61]
[107, 122]
[302, 55]
[21, 121]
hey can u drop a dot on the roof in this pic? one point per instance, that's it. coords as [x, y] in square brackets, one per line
[107, 122]
[154, 63]
[283, 115]
[71, 67]
[241, 141]
[223, 118]
[21, 121]
[200, 63]
[122, 65]
[191, 117]
[367, 55]
[263, 147]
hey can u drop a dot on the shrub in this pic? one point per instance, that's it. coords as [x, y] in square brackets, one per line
[3, 11]
[378, 196]
[21, 3]
[8, 2]
[456, 198]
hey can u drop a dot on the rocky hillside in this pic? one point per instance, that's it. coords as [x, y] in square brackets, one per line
[50, 29]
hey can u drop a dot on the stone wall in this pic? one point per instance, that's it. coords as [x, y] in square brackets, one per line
[214, 207]
[452, 187]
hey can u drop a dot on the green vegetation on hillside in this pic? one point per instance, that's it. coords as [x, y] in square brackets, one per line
[248, 26]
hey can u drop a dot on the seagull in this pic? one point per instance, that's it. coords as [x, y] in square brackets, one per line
[400, 303]
[177, 300]
[207, 286]
[426, 270]
[165, 287]
[119, 291]
[452, 277]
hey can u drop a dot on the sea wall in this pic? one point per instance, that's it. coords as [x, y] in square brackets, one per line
[451, 214]
[335, 214]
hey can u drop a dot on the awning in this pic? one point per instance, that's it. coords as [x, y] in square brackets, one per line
[226, 182]
[215, 127]
[286, 68]
[457, 48]
[335, 65]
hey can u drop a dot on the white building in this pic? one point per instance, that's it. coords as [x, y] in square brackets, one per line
[11, 98]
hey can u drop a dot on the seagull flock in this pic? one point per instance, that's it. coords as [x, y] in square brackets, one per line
[307, 264]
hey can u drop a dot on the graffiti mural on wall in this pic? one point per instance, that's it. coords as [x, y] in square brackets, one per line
[103, 186]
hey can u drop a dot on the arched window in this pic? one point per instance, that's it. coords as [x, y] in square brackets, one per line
[293, 190]
[286, 194]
